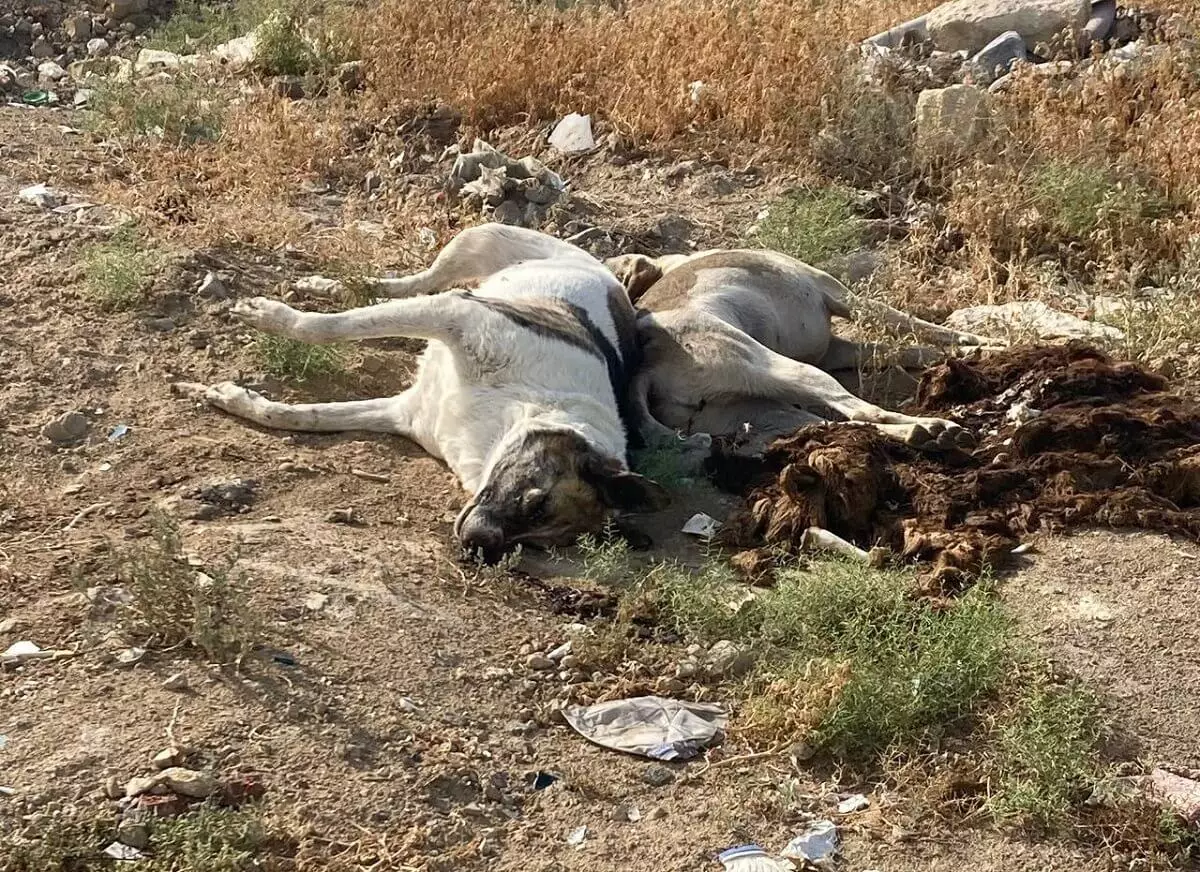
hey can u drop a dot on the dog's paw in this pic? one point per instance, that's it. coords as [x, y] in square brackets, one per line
[939, 433]
[230, 397]
[267, 315]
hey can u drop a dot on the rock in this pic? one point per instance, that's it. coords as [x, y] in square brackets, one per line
[342, 516]
[167, 758]
[212, 288]
[118, 69]
[658, 776]
[176, 683]
[119, 10]
[314, 602]
[188, 782]
[113, 788]
[9, 625]
[49, 71]
[237, 53]
[97, 47]
[573, 134]
[1030, 317]
[290, 87]
[159, 325]
[950, 120]
[969, 25]
[728, 660]
[559, 654]
[130, 656]
[151, 60]
[78, 28]
[138, 786]
[133, 832]
[1100, 23]
[509, 212]
[539, 663]
[901, 35]
[1181, 794]
[351, 76]
[66, 429]
[82, 97]
[997, 57]
[42, 49]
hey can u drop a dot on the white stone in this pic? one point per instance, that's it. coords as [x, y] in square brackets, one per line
[969, 25]
[573, 134]
[1033, 317]
[950, 120]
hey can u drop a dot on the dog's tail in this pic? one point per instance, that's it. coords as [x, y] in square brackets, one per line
[901, 323]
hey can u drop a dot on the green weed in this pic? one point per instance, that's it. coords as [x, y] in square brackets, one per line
[812, 226]
[118, 272]
[289, 358]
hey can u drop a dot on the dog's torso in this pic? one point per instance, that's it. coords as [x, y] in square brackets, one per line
[560, 355]
[779, 302]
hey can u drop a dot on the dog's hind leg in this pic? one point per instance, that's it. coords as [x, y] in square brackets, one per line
[442, 317]
[728, 363]
[475, 254]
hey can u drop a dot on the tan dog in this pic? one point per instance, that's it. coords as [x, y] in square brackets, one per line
[741, 342]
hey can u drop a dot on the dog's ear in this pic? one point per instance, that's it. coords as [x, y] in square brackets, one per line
[636, 272]
[621, 489]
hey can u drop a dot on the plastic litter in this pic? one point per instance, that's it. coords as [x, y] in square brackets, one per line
[120, 851]
[752, 858]
[702, 525]
[650, 726]
[817, 843]
[573, 134]
[541, 780]
[854, 803]
[577, 837]
[119, 432]
[42, 195]
[38, 98]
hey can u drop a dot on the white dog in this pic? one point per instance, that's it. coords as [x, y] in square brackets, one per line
[737, 342]
[519, 391]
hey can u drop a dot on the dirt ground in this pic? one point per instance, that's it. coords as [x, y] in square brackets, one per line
[408, 725]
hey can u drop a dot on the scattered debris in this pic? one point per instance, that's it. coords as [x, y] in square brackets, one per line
[41, 195]
[573, 134]
[854, 803]
[752, 858]
[345, 516]
[119, 432]
[577, 837]
[727, 659]
[541, 780]
[123, 852]
[1111, 447]
[130, 656]
[702, 525]
[488, 179]
[315, 602]
[24, 651]
[658, 776]
[815, 844]
[176, 683]
[651, 726]
[212, 288]
[816, 539]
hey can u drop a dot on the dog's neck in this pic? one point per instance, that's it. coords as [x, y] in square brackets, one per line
[590, 418]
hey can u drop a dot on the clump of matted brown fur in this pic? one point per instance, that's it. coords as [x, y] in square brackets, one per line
[1067, 438]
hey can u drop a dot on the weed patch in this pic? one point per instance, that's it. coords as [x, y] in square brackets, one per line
[1048, 750]
[117, 272]
[811, 226]
[181, 111]
[196, 25]
[172, 605]
[292, 359]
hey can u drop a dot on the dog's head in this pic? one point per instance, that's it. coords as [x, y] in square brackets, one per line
[549, 487]
[636, 272]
